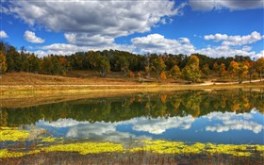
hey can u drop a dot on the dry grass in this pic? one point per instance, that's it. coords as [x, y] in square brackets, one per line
[141, 158]
[84, 78]
[28, 85]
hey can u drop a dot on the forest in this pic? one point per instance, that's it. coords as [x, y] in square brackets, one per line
[193, 68]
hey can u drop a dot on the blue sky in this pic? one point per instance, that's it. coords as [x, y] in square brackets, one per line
[212, 27]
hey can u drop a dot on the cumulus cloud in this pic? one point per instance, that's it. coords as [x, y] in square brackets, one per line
[31, 37]
[226, 46]
[86, 22]
[3, 34]
[226, 4]
[227, 51]
[231, 121]
[157, 43]
[231, 45]
[236, 39]
[68, 49]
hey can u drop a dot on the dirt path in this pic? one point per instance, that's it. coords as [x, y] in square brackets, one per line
[207, 83]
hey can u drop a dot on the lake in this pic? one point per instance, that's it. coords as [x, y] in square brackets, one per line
[226, 117]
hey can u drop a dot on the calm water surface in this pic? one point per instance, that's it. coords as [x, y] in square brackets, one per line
[226, 117]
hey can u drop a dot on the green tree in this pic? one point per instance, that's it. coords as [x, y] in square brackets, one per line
[192, 71]
[34, 63]
[175, 72]
[158, 65]
[103, 65]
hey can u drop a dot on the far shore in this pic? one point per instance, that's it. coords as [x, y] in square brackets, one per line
[22, 91]
[26, 85]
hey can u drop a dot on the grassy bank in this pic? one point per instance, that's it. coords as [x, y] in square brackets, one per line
[26, 85]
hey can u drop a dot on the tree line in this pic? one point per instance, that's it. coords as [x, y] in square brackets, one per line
[159, 66]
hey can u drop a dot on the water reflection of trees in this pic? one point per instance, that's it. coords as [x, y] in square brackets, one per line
[195, 103]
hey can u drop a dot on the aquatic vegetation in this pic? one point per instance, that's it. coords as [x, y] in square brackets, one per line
[235, 150]
[260, 148]
[4, 153]
[12, 134]
[169, 147]
[48, 139]
[160, 147]
[153, 146]
[86, 148]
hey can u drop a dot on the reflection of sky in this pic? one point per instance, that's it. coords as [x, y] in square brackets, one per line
[223, 122]
[215, 127]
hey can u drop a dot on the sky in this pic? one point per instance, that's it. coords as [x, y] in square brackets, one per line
[217, 28]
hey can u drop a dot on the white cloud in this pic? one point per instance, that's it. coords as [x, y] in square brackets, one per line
[86, 22]
[31, 37]
[226, 51]
[207, 5]
[235, 40]
[3, 34]
[82, 39]
[231, 45]
[156, 43]
[68, 49]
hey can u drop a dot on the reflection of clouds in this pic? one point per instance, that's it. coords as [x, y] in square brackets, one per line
[98, 131]
[227, 115]
[61, 123]
[108, 131]
[160, 125]
[232, 121]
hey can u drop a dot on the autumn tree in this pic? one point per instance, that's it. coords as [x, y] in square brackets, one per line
[260, 66]
[242, 71]
[233, 68]
[222, 70]
[3, 64]
[251, 68]
[158, 65]
[192, 71]
[205, 69]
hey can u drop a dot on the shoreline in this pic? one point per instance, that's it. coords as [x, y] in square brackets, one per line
[18, 91]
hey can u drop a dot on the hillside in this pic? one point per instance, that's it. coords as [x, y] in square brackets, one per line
[74, 78]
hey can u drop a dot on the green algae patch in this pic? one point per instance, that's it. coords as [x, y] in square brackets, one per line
[86, 148]
[13, 134]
